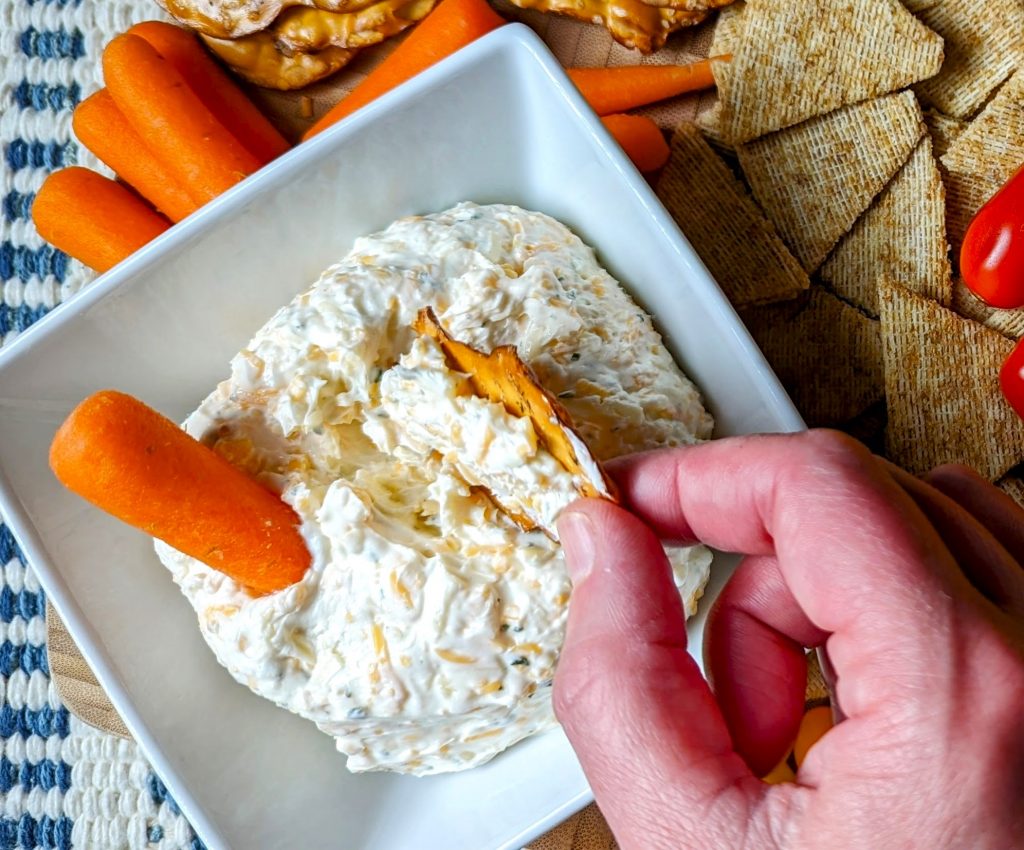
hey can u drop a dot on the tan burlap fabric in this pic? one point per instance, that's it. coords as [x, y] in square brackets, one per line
[575, 45]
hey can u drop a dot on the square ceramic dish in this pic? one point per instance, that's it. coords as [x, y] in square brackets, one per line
[496, 122]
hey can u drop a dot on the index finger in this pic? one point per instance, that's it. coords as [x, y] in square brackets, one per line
[859, 557]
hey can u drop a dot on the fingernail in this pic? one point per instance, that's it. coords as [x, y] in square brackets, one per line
[576, 532]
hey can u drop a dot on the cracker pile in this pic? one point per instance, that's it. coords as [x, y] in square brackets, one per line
[857, 141]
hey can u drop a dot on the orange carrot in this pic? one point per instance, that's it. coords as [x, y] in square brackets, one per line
[173, 122]
[218, 92]
[139, 466]
[100, 126]
[641, 139]
[611, 90]
[93, 219]
[452, 25]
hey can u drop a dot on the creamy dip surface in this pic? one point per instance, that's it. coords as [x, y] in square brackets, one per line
[425, 636]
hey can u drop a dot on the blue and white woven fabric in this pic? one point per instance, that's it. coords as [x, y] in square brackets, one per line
[62, 784]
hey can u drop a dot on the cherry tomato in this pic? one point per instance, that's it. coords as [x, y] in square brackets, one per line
[992, 256]
[1011, 379]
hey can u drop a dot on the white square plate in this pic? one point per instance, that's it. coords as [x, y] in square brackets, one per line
[496, 122]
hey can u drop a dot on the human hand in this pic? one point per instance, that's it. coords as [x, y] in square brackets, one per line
[917, 592]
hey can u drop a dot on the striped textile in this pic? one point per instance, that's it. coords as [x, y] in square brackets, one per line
[62, 784]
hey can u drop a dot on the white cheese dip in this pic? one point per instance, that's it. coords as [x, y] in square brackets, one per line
[425, 636]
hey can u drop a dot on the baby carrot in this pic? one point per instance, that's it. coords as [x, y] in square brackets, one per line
[618, 89]
[93, 219]
[218, 92]
[641, 139]
[175, 125]
[139, 466]
[100, 126]
[452, 25]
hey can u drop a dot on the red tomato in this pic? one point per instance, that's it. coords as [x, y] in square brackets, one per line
[1011, 379]
[992, 256]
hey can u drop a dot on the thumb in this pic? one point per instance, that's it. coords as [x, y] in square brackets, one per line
[633, 703]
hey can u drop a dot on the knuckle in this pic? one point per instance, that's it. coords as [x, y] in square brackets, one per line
[828, 446]
[823, 454]
[947, 471]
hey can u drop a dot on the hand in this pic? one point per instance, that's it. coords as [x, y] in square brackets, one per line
[915, 589]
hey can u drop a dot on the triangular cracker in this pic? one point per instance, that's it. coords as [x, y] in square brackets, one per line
[827, 354]
[736, 242]
[965, 195]
[1013, 486]
[710, 123]
[814, 180]
[728, 33]
[901, 237]
[942, 386]
[1009, 323]
[943, 130]
[916, 6]
[993, 144]
[801, 58]
[984, 43]
[728, 30]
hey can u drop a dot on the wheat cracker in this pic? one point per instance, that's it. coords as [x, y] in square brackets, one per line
[902, 236]
[797, 59]
[737, 243]
[942, 388]
[814, 180]
[984, 43]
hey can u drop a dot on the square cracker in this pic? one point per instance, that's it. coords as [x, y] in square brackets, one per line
[942, 387]
[827, 354]
[984, 43]
[800, 58]
[901, 237]
[732, 236]
[993, 144]
[814, 180]
[1009, 323]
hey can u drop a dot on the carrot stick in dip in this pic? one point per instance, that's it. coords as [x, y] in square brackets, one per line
[139, 466]
[451, 26]
[177, 128]
[100, 126]
[92, 218]
[641, 139]
[619, 89]
[215, 88]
